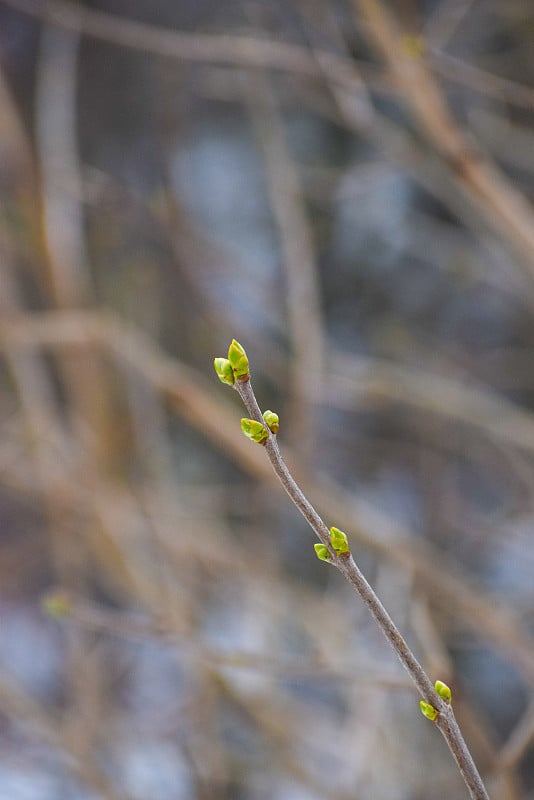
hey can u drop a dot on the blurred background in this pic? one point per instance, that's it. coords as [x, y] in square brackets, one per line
[345, 187]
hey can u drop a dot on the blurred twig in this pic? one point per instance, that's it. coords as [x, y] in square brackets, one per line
[358, 376]
[482, 81]
[226, 49]
[21, 707]
[60, 175]
[191, 397]
[303, 302]
[519, 741]
[136, 627]
[475, 406]
[503, 207]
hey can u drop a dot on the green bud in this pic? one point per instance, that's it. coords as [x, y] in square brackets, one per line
[239, 361]
[224, 370]
[272, 421]
[428, 711]
[443, 690]
[254, 430]
[322, 552]
[339, 541]
[56, 604]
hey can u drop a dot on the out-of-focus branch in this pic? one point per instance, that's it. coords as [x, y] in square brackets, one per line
[191, 397]
[28, 372]
[357, 377]
[45, 726]
[428, 391]
[503, 89]
[499, 202]
[443, 22]
[519, 741]
[403, 152]
[129, 626]
[60, 176]
[299, 262]
[247, 51]
[67, 284]
[501, 205]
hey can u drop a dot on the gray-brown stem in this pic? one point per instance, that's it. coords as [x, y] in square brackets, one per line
[446, 720]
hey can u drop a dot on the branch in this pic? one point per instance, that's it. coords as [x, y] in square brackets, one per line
[236, 50]
[504, 208]
[190, 397]
[235, 371]
[299, 259]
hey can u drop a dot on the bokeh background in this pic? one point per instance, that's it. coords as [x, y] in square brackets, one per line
[346, 188]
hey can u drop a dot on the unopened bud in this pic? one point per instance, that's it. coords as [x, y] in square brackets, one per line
[239, 361]
[272, 421]
[428, 711]
[322, 552]
[224, 370]
[254, 430]
[339, 541]
[443, 690]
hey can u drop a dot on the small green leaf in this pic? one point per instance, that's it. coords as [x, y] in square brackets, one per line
[239, 361]
[254, 430]
[272, 421]
[224, 370]
[322, 552]
[339, 541]
[428, 711]
[443, 690]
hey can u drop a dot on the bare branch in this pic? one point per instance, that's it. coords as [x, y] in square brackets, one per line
[503, 207]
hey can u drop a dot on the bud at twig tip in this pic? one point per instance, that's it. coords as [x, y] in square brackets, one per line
[239, 361]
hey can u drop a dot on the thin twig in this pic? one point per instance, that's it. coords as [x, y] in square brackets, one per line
[480, 80]
[248, 51]
[305, 322]
[189, 397]
[519, 741]
[504, 208]
[357, 377]
[55, 115]
[443, 22]
[142, 628]
[445, 721]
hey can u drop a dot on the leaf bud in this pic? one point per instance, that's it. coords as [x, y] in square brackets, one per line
[443, 690]
[272, 421]
[254, 430]
[322, 552]
[428, 711]
[224, 370]
[239, 361]
[339, 541]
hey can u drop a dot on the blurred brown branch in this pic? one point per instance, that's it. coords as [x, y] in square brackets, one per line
[190, 396]
[504, 208]
[136, 232]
